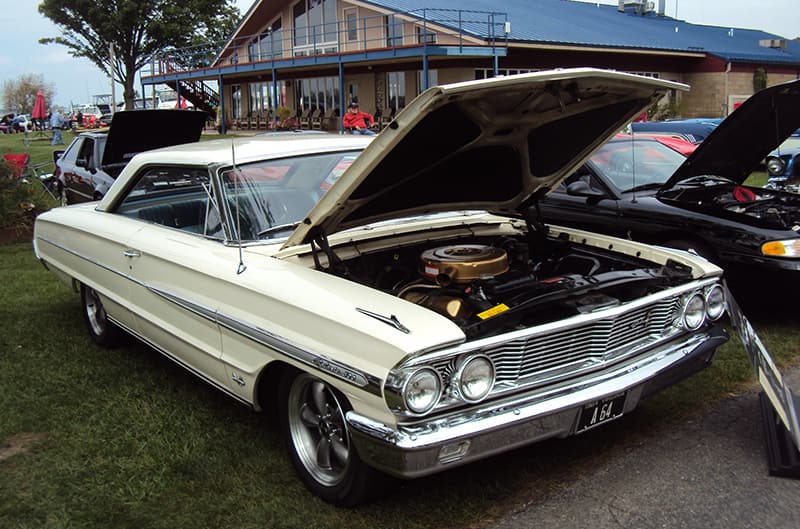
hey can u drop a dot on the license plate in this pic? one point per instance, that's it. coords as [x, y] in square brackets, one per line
[600, 412]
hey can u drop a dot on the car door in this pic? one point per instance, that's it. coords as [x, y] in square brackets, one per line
[174, 262]
[583, 201]
[76, 165]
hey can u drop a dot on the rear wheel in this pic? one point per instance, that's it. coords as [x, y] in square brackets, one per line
[312, 417]
[101, 329]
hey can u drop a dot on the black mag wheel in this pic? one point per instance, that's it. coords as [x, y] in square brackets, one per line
[312, 416]
[101, 329]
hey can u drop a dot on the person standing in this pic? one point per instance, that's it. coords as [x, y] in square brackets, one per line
[358, 122]
[56, 123]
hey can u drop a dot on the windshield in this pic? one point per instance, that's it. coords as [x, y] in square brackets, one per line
[267, 199]
[636, 164]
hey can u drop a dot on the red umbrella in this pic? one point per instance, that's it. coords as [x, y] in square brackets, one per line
[181, 103]
[39, 109]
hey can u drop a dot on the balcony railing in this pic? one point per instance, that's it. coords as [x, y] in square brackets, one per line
[426, 28]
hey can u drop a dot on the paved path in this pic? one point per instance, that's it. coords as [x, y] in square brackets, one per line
[710, 472]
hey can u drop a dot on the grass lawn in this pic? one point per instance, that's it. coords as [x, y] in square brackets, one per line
[123, 438]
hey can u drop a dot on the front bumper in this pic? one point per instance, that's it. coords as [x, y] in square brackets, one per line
[430, 446]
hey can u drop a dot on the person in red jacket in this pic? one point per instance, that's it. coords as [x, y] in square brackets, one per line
[358, 122]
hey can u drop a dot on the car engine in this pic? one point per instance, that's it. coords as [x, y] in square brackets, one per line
[493, 285]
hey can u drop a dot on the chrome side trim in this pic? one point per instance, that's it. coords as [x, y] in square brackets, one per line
[181, 363]
[338, 369]
[91, 261]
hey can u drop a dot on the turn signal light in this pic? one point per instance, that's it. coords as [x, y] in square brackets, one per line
[789, 248]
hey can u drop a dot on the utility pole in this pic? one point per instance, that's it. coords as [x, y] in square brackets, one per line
[111, 70]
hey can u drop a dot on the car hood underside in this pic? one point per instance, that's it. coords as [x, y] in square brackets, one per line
[491, 145]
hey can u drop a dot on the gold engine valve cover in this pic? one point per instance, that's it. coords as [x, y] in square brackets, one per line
[463, 263]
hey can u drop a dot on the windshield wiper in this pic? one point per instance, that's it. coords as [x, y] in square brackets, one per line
[644, 187]
[706, 179]
[278, 228]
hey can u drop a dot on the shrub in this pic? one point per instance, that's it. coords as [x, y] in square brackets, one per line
[18, 203]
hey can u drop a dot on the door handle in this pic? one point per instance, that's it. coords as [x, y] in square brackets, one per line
[132, 253]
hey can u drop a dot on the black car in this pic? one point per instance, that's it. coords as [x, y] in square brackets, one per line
[640, 189]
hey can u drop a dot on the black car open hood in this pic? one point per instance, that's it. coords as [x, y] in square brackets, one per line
[136, 131]
[737, 146]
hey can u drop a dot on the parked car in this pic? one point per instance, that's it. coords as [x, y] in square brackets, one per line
[639, 189]
[783, 165]
[693, 130]
[22, 123]
[416, 315]
[91, 163]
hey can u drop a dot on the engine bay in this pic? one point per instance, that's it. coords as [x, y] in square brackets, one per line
[779, 210]
[491, 285]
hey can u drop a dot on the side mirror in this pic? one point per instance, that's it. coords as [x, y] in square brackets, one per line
[582, 189]
[82, 162]
[57, 155]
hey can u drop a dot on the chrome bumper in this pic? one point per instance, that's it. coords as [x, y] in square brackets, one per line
[427, 447]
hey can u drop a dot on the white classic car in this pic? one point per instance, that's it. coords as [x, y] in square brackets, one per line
[398, 300]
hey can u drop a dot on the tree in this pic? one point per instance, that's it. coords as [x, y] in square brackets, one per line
[135, 28]
[19, 94]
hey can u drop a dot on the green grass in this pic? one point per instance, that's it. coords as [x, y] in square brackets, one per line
[128, 440]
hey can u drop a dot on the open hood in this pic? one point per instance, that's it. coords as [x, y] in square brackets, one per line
[488, 145]
[135, 131]
[737, 146]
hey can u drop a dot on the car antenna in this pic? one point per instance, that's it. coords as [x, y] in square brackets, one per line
[242, 267]
[633, 167]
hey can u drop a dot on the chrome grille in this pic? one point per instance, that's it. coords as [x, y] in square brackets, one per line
[572, 350]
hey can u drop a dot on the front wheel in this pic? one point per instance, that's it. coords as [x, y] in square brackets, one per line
[101, 329]
[312, 417]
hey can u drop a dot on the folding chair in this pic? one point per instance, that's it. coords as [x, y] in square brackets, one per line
[23, 171]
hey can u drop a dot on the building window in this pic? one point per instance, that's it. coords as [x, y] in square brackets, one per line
[488, 73]
[351, 24]
[236, 101]
[394, 31]
[314, 22]
[433, 80]
[396, 85]
[271, 41]
[652, 75]
[425, 36]
[319, 93]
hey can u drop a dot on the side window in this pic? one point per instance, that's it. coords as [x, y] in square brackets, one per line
[176, 197]
[87, 152]
[71, 154]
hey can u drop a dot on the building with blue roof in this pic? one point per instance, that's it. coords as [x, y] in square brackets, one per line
[316, 56]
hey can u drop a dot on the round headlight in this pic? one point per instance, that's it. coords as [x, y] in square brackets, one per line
[694, 312]
[422, 390]
[715, 303]
[775, 166]
[475, 378]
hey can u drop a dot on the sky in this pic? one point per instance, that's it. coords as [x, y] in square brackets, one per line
[77, 80]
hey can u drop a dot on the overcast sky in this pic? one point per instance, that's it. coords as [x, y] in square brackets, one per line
[77, 80]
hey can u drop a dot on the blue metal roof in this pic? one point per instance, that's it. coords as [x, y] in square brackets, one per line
[567, 22]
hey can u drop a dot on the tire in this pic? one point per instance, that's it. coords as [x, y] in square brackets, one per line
[63, 200]
[312, 420]
[101, 329]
